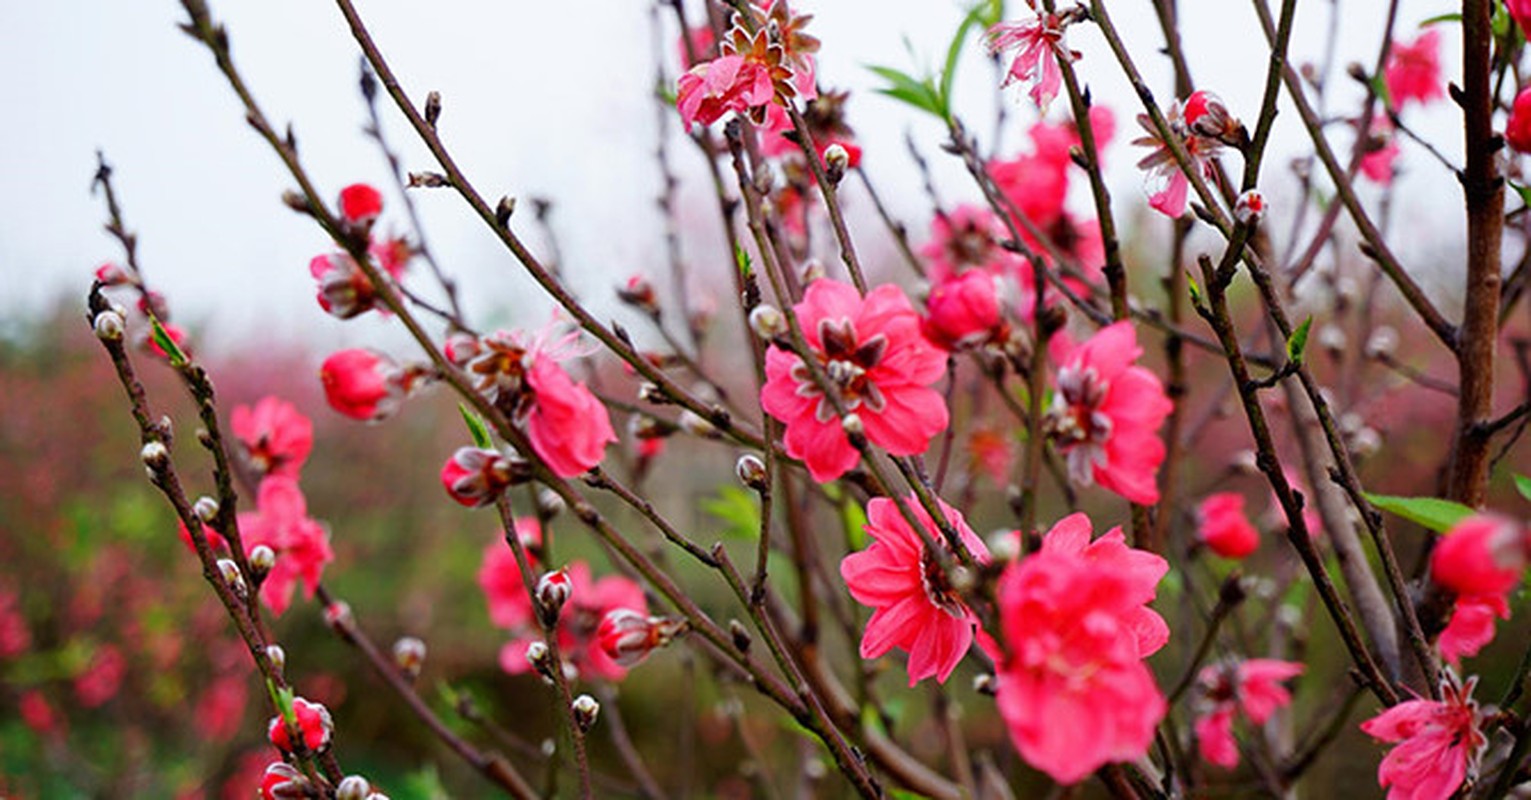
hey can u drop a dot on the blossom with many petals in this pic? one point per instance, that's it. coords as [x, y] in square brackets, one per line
[967, 238]
[364, 384]
[313, 724]
[1223, 527]
[1039, 47]
[1106, 411]
[963, 311]
[302, 545]
[711, 89]
[1482, 554]
[877, 362]
[1413, 71]
[274, 436]
[1517, 132]
[917, 608]
[1253, 685]
[1437, 742]
[1073, 689]
[1192, 122]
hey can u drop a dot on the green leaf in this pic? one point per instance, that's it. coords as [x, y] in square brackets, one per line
[1522, 190]
[737, 510]
[1298, 341]
[1439, 18]
[1196, 295]
[476, 427]
[167, 345]
[1430, 512]
[1500, 22]
[1523, 485]
[953, 52]
[742, 259]
[1379, 88]
[854, 519]
[921, 94]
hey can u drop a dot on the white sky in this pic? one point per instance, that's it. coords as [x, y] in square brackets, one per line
[541, 98]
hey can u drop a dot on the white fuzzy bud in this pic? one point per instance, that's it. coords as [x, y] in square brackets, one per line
[1250, 207]
[767, 322]
[109, 326]
[206, 508]
[693, 424]
[751, 471]
[354, 787]
[262, 558]
[232, 576]
[853, 425]
[1332, 338]
[836, 162]
[155, 456]
[1383, 343]
[409, 656]
[277, 656]
[813, 269]
[586, 709]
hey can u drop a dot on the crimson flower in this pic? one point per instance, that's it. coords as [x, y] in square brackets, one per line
[1472, 625]
[916, 607]
[1517, 132]
[1438, 741]
[1482, 554]
[302, 545]
[1106, 413]
[1073, 689]
[1253, 685]
[1413, 71]
[500, 577]
[360, 204]
[1223, 527]
[275, 437]
[313, 724]
[364, 384]
[878, 363]
[963, 311]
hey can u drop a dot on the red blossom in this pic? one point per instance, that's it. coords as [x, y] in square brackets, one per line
[302, 545]
[360, 204]
[1436, 742]
[275, 437]
[1517, 132]
[1224, 528]
[1413, 71]
[963, 311]
[312, 722]
[362, 384]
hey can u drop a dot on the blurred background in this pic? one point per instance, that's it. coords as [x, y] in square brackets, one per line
[119, 675]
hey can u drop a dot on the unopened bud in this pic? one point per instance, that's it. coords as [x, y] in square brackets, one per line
[377, 796]
[550, 504]
[231, 575]
[504, 210]
[639, 293]
[432, 107]
[409, 656]
[628, 636]
[354, 787]
[277, 656]
[296, 201]
[693, 424]
[586, 709]
[836, 162]
[553, 590]
[986, 684]
[813, 269]
[751, 471]
[767, 322]
[1250, 207]
[537, 655]
[338, 614]
[262, 559]
[1244, 461]
[206, 508]
[282, 781]
[651, 393]
[1004, 545]
[109, 326]
[205, 438]
[765, 179]
[155, 456]
[853, 425]
[1382, 343]
[741, 637]
[427, 180]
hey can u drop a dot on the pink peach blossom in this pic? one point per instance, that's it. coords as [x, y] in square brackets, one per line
[1253, 686]
[1472, 625]
[881, 367]
[962, 312]
[363, 384]
[1214, 736]
[1517, 132]
[916, 609]
[566, 424]
[711, 89]
[275, 437]
[500, 578]
[1039, 45]
[1223, 527]
[1073, 689]
[1520, 10]
[1484, 554]
[475, 476]
[579, 640]
[1106, 412]
[967, 238]
[302, 545]
[360, 204]
[1169, 187]
[1377, 163]
[1413, 71]
[313, 724]
[344, 290]
[1437, 741]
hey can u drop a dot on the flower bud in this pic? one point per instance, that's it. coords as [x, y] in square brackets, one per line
[377, 796]
[986, 684]
[1250, 207]
[262, 559]
[338, 614]
[313, 724]
[1244, 461]
[693, 424]
[1332, 338]
[362, 384]
[853, 425]
[751, 471]
[282, 781]
[277, 656]
[1382, 343]
[963, 311]
[650, 392]
[813, 269]
[538, 656]
[553, 590]
[354, 787]
[360, 204]
[765, 178]
[639, 293]
[550, 504]
[344, 291]
[586, 709]
[740, 635]
[109, 326]
[155, 456]
[460, 348]
[767, 322]
[475, 477]
[628, 636]
[206, 508]
[110, 274]
[409, 656]
[231, 575]
[836, 162]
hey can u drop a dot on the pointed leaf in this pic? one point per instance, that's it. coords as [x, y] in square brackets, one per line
[476, 427]
[1298, 341]
[1523, 485]
[1430, 512]
[167, 345]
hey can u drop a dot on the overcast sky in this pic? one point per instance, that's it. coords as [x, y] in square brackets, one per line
[542, 98]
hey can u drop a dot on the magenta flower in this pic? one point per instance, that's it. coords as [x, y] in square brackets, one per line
[1517, 132]
[1437, 742]
[1521, 11]
[968, 238]
[1253, 685]
[360, 204]
[363, 384]
[1484, 554]
[707, 91]
[1413, 71]
[1038, 43]
[1073, 689]
[1168, 187]
[302, 545]
[312, 722]
[1472, 625]
[475, 476]
[579, 626]
[916, 609]
[879, 364]
[500, 578]
[1106, 412]
[1223, 527]
[1377, 164]
[963, 311]
[275, 437]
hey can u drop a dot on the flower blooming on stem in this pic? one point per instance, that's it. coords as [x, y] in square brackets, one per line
[567, 425]
[1413, 72]
[877, 362]
[774, 64]
[344, 290]
[1482, 554]
[917, 609]
[1039, 47]
[1381, 152]
[302, 545]
[627, 637]
[1202, 124]
[1224, 528]
[500, 578]
[1472, 625]
[312, 722]
[275, 437]
[1438, 742]
[1517, 132]
[474, 476]
[963, 311]
[968, 238]
[282, 781]
[1253, 685]
[1073, 688]
[365, 384]
[1520, 10]
[589, 601]
[360, 204]
[1106, 412]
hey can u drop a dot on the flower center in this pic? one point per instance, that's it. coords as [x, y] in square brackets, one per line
[938, 588]
[1076, 422]
[846, 362]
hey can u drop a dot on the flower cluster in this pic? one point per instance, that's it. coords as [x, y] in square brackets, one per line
[1202, 125]
[344, 290]
[1253, 686]
[1481, 560]
[764, 60]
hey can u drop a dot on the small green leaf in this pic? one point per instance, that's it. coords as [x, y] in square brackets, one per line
[742, 260]
[1500, 22]
[167, 345]
[854, 519]
[1523, 485]
[1439, 18]
[737, 509]
[921, 94]
[1379, 88]
[1430, 512]
[1197, 299]
[1522, 190]
[476, 427]
[1298, 341]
